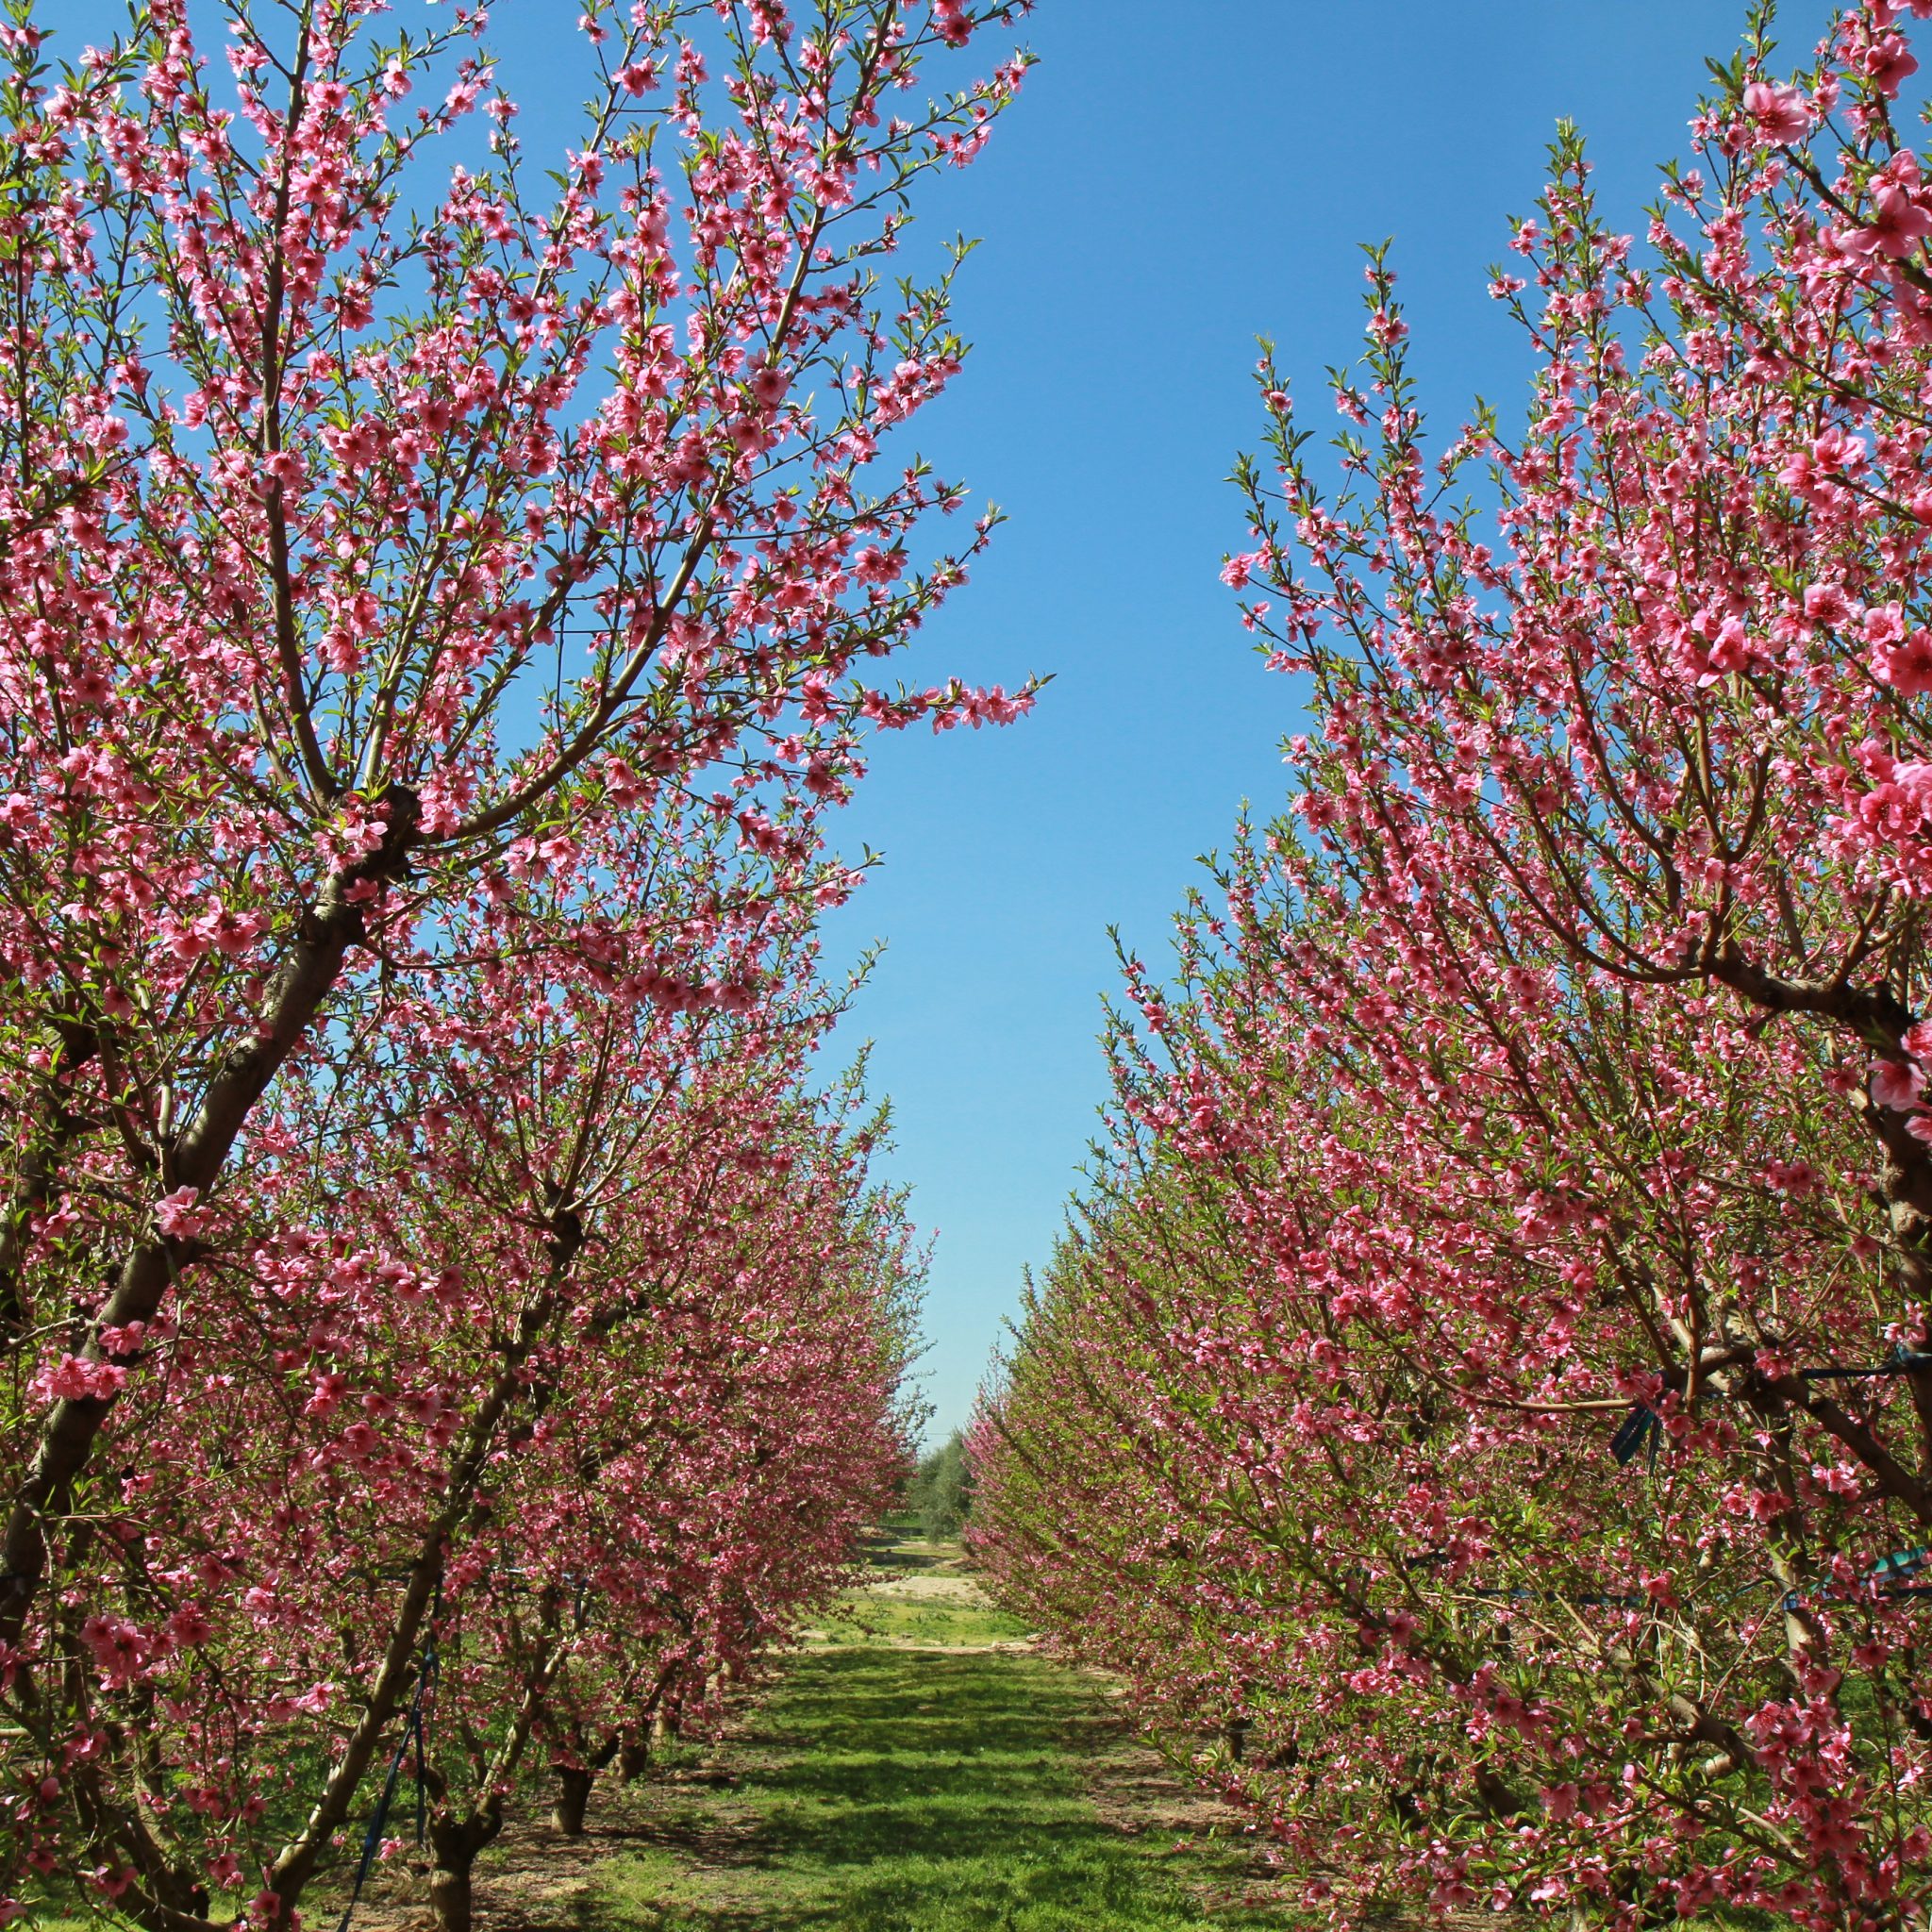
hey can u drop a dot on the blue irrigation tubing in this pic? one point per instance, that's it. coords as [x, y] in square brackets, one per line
[1519, 1594]
[372, 1837]
[1899, 1565]
[1902, 1361]
[432, 1666]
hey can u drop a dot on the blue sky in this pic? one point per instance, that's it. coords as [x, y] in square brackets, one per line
[1176, 180]
[1179, 177]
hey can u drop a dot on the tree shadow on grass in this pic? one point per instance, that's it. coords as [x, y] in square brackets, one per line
[905, 1792]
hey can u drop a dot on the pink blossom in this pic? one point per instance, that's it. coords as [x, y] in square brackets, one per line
[1899, 223]
[175, 1214]
[1897, 1084]
[1781, 113]
[1907, 666]
[1826, 604]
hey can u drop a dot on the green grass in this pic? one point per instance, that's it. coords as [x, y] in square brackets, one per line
[899, 1779]
[898, 1790]
[900, 1608]
[867, 1617]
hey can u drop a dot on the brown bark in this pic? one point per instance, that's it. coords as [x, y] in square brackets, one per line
[295, 1864]
[1879, 1019]
[39, 1163]
[456, 1836]
[292, 1869]
[573, 1799]
[452, 1885]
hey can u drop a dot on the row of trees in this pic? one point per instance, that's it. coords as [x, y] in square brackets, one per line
[1484, 1404]
[446, 1322]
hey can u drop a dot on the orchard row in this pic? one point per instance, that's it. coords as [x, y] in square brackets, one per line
[446, 1327]
[1484, 1405]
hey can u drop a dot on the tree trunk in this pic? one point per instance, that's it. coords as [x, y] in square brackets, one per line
[633, 1759]
[572, 1797]
[451, 1899]
[39, 1164]
[296, 995]
[454, 1841]
[457, 1833]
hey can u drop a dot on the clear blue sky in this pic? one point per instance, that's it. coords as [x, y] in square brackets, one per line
[1179, 177]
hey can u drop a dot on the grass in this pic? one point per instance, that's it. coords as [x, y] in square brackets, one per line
[904, 1789]
[872, 1617]
[920, 1595]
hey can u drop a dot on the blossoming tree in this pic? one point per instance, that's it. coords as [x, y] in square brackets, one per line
[1555, 1088]
[438, 612]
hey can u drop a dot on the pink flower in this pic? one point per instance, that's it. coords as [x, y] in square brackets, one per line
[189, 1627]
[80, 1378]
[1885, 623]
[1907, 666]
[174, 1213]
[1781, 115]
[1888, 62]
[954, 24]
[1896, 1084]
[1827, 605]
[1898, 224]
[329, 1392]
[119, 1647]
[1730, 649]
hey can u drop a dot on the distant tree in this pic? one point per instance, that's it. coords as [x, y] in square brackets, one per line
[940, 1491]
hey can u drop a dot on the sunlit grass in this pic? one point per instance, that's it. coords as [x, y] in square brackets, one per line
[905, 1789]
[876, 1617]
[908, 1791]
[902, 1777]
